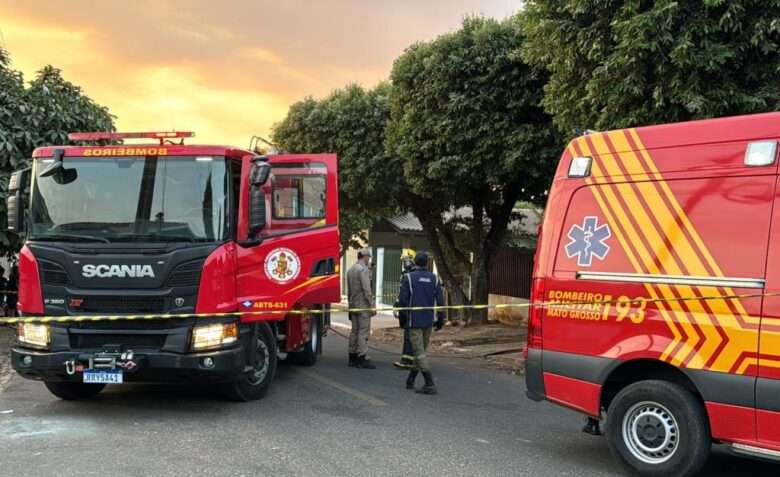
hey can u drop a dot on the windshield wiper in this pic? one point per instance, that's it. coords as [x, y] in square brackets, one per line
[154, 237]
[70, 237]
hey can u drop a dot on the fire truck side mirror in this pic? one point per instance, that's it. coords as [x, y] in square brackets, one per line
[259, 174]
[15, 202]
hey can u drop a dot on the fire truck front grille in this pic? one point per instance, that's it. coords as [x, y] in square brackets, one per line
[108, 305]
[88, 341]
[53, 274]
[186, 275]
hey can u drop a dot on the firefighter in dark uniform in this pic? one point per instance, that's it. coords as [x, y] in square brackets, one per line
[12, 296]
[407, 358]
[422, 288]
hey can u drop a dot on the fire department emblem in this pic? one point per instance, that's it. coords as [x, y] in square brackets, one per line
[282, 265]
[588, 240]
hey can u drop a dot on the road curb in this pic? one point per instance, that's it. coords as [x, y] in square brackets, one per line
[6, 338]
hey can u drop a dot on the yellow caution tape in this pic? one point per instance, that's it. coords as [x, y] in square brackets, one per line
[337, 308]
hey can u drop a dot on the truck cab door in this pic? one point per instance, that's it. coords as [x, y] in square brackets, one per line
[768, 383]
[292, 261]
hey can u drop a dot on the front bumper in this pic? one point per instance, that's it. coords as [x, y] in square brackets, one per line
[149, 366]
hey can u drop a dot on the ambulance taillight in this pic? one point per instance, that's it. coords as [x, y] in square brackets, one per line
[535, 314]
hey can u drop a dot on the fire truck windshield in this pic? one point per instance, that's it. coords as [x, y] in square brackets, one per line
[124, 199]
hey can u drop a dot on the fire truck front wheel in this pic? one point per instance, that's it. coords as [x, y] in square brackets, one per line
[657, 428]
[70, 391]
[254, 385]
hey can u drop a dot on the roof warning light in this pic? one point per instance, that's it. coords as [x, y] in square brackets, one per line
[114, 136]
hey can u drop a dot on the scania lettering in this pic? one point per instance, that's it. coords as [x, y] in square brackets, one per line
[247, 243]
[656, 291]
[122, 271]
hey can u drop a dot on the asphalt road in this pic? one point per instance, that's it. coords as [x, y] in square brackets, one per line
[328, 420]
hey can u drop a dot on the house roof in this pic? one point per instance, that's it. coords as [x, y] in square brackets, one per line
[406, 223]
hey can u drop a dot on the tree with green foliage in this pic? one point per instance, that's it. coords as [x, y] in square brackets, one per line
[467, 124]
[350, 122]
[43, 113]
[620, 63]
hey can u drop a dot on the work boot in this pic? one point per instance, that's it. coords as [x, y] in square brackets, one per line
[404, 363]
[410, 380]
[429, 387]
[592, 427]
[364, 363]
[353, 357]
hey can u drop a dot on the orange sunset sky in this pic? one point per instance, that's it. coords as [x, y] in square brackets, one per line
[224, 69]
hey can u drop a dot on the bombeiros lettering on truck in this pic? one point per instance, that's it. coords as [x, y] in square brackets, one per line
[656, 291]
[192, 234]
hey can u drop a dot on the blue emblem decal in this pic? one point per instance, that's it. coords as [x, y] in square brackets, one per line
[247, 304]
[588, 241]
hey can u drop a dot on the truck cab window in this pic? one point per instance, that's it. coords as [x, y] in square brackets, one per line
[134, 199]
[299, 197]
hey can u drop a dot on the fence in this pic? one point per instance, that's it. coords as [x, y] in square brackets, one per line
[510, 274]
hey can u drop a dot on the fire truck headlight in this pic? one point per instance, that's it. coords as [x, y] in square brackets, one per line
[214, 336]
[35, 335]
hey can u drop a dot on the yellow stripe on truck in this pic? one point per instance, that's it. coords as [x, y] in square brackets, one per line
[640, 196]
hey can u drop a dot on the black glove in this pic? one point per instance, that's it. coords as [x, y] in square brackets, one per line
[439, 324]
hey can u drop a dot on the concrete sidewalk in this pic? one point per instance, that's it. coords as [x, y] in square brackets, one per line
[499, 345]
[6, 340]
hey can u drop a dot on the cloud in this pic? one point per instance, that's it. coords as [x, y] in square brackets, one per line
[224, 69]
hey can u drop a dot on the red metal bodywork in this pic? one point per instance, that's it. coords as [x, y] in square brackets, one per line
[30, 298]
[217, 290]
[678, 201]
[573, 393]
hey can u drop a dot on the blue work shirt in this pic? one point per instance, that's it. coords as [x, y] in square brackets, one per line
[421, 288]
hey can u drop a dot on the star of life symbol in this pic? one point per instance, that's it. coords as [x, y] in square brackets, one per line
[588, 240]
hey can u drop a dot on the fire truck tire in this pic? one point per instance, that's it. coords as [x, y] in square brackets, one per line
[255, 384]
[313, 348]
[657, 428]
[69, 391]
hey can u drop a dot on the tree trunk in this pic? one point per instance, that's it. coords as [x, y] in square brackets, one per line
[452, 281]
[480, 290]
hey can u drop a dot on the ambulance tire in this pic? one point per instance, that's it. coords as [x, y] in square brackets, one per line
[255, 384]
[70, 391]
[313, 348]
[657, 428]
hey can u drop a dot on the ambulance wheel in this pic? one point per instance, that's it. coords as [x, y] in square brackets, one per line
[70, 391]
[313, 348]
[254, 385]
[657, 428]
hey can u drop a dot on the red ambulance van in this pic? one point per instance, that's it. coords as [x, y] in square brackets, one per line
[659, 261]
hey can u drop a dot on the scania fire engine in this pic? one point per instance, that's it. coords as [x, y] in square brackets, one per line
[168, 262]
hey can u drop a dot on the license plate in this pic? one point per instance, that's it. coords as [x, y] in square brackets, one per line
[103, 377]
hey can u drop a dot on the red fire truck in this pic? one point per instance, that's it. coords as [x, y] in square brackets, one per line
[659, 262]
[132, 233]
